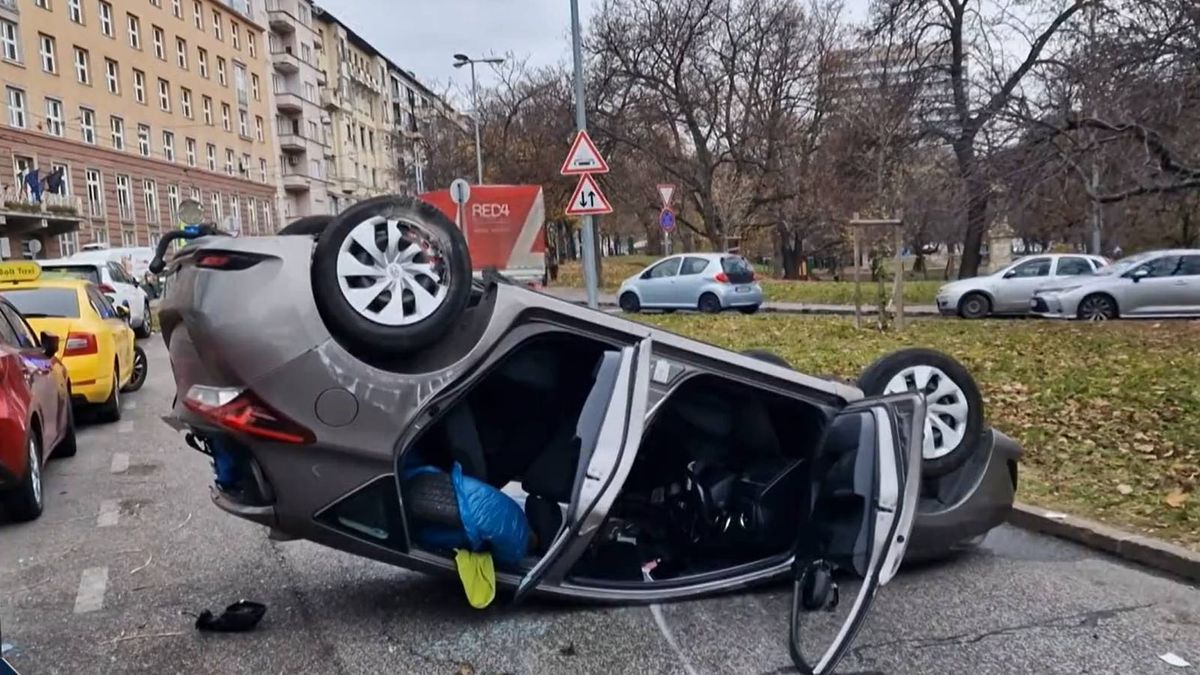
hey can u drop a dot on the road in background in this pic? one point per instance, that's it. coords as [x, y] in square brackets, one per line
[130, 549]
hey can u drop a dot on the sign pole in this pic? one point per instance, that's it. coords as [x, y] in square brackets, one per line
[589, 232]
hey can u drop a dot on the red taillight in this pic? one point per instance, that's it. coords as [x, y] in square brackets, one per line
[105, 288]
[79, 344]
[225, 260]
[243, 412]
[721, 277]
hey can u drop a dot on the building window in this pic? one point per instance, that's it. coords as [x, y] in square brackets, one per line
[54, 117]
[12, 45]
[173, 202]
[95, 191]
[139, 86]
[181, 52]
[243, 124]
[75, 10]
[168, 146]
[112, 75]
[135, 31]
[124, 197]
[16, 107]
[198, 15]
[150, 197]
[235, 207]
[164, 95]
[68, 244]
[268, 224]
[190, 144]
[229, 161]
[254, 86]
[46, 49]
[160, 38]
[143, 135]
[252, 211]
[202, 59]
[305, 53]
[235, 35]
[212, 157]
[216, 206]
[44, 4]
[225, 123]
[217, 25]
[117, 126]
[177, 8]
[262, 169]
[185, 101]
[244, 165]
[87, 125]
[83, 67]
[206, 108]
[129, 238]
[258, 129]
[221, 72]
[106, 21]
[250, 44]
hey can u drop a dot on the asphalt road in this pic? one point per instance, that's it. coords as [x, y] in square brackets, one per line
[130, 549]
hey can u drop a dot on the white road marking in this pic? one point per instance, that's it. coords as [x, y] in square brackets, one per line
[125, 427]
[120, 462]
[129, 405]
[92, 584]
[108, 513]
[661, 620]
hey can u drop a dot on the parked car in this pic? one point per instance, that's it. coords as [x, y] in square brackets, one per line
[98, 346]
[104, 269]
[36, 420]
[709, 282]
[365, 393]
[1009, 290]
[1158, 284]
[134, 259]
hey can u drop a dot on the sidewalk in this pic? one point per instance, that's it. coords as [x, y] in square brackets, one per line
[579, 295]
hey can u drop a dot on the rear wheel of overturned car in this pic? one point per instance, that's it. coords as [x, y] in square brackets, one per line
[953, 404]
[629, 302]
[391, 275]
[710, 303]
[26, 501]
[974, 306]
[1097, 307]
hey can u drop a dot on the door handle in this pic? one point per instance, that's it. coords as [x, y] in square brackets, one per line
[1181, 283]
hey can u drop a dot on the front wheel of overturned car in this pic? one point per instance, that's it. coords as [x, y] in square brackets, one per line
[391, 275]
[1098, 307]
[953, 404]
[140, 368]
[629, 302]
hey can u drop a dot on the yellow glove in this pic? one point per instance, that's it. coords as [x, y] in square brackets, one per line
[478, 576]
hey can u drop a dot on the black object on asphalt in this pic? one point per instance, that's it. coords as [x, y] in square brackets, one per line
[239, 617]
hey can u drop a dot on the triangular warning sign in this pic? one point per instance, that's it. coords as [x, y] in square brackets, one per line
[583, 157]
[666, 191]
[588, 200]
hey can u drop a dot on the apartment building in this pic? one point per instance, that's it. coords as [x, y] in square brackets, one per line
[142, 105]
[301, 123]
[414, 107]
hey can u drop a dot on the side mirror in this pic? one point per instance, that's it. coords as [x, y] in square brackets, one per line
[50, 344]
[646, 274]
[1010, 274]
[1139, 274]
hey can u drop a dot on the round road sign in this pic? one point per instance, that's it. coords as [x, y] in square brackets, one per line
[666, 220]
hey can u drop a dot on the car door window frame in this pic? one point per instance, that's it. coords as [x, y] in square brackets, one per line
[650, 273]
[1087, 266]
[1182, 269]
[101, 304]
[1012, 273]
[8, 334]
[688, 259]
[1149, 265]
[26, 338]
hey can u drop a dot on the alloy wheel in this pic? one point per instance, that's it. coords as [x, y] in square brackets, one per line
[139, 366]
[1096, 309]
[946, 408]
[35, 471]
[391, 273]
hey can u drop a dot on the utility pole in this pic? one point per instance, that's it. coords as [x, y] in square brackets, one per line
[589, 231]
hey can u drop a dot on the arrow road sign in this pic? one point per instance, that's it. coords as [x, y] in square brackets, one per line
[666, 220]
[588, 200]
[583, 158]
[666, 191]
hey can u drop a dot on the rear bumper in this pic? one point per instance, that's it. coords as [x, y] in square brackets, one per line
[90, 381]
[731, 296]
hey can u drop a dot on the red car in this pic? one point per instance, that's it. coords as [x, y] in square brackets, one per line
[35, 413]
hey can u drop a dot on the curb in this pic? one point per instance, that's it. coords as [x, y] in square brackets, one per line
[1153, 553]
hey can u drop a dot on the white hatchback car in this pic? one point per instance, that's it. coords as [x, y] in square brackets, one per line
[114, 281]
[1009, 290]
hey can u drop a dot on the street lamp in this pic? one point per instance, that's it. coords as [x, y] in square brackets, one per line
[461, 60]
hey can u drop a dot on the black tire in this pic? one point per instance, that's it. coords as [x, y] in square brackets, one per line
[749, 309]
[364, 335]
[876, 377]
[629, 302]
[768, 356]
[141, 367]
[25, 502]
[69, 445]
[974, 306]
[709, 304]
[147, 328]
[308, 225]
[110, 410]
[429, 498]
[1098, 307]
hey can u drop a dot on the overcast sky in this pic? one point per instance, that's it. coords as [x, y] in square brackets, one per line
[422, 35]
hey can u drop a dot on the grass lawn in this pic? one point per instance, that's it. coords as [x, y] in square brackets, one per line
[1109, 414]
[618, 269]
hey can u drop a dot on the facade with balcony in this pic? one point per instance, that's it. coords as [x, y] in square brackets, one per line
[301, 123]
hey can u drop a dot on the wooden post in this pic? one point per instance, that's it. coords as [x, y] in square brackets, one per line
[857, 288]
[900, 278]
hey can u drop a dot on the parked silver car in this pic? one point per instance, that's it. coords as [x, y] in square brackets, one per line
[1009, 290]
[1159, 284]
[709, 282]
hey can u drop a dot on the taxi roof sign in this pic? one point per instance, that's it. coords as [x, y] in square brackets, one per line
[14, 271]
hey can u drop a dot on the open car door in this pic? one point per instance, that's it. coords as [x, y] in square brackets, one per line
[608, 432]
[863, 499]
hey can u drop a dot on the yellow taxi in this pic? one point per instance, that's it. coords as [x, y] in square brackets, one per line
[97, 342]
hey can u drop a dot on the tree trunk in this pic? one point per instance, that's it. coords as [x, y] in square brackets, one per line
[977, 207]
[791, 250]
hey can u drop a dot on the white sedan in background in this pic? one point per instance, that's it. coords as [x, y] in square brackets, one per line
[1009, 290]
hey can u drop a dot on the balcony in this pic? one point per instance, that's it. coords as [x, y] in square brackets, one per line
[296, 181]
[288, 102]
[331, 99]
[9, 8]
[53, 215]
[291, 141]
[286, 62]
